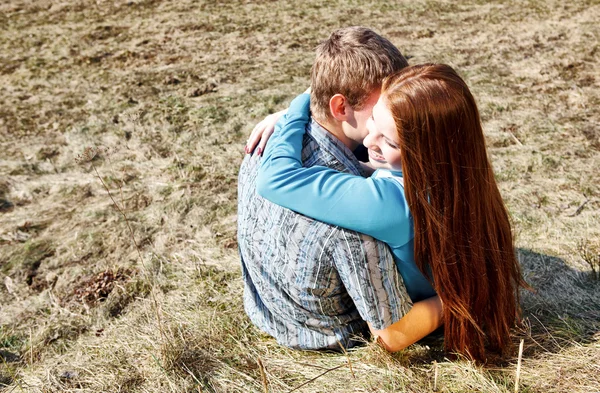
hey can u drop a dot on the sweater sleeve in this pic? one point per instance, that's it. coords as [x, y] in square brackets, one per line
[374, 206]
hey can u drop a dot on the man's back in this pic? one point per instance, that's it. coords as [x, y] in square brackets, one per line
[309, 284]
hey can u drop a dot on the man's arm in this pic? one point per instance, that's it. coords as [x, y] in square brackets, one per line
[422, 319]
[370, 275]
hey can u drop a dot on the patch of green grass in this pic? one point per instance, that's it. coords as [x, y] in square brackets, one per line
[176, 114]
[10, 340]
[212, 113]
[166, 191]
[27, 259]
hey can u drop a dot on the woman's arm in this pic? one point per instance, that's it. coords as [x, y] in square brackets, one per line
[422, 319]
[376, 207]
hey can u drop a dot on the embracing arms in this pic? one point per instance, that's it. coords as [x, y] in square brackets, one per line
[376, 207]
[373, 206]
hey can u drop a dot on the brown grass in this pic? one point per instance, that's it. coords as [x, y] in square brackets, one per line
[172, 90]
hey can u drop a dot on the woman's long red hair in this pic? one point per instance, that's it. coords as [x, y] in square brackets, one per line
[462, 229]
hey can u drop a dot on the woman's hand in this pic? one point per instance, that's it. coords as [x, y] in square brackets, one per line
[262, 132]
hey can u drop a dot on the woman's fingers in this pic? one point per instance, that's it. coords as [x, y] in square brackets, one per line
[255, 136]
[263, 141]
[261, 133]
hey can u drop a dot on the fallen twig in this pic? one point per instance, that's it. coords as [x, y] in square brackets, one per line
[517, 141]
[315, 378]
[580, 208]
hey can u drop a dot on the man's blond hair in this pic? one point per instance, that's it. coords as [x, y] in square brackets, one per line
[353, 62]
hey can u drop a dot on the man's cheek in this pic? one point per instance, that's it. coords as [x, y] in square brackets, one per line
[364, 132]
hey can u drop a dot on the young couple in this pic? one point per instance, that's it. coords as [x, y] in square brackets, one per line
[333, 249]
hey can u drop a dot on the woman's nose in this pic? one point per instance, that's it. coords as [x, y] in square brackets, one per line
[369, 138]
[368, 141]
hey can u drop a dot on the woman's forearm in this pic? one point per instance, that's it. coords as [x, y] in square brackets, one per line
[424, 317]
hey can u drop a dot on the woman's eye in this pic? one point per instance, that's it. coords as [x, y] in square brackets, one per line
[390, 144]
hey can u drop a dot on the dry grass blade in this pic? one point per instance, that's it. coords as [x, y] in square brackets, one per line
[348, 359]
[165, 342]
[435, 376]
[31, 346]
[263, 375]
[518, 373]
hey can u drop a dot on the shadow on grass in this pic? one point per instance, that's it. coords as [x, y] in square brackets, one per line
[562, 310]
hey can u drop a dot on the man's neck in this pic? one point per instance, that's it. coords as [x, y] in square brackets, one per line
[337, 131]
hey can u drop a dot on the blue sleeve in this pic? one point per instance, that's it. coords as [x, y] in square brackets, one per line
[374, 206]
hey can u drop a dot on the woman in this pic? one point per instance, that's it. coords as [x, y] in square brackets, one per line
[433, 199]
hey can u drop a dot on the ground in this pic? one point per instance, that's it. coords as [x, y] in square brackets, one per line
[152, 101]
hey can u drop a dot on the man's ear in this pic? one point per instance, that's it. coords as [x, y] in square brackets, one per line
[339, 108]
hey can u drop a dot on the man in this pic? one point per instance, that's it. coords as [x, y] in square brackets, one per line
[308, 284]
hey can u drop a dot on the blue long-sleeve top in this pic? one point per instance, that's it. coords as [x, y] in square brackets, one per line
[375, 206]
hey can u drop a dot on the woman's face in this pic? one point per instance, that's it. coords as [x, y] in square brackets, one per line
[382, 140]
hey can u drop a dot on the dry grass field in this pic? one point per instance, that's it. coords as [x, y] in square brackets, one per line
[163, 95]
